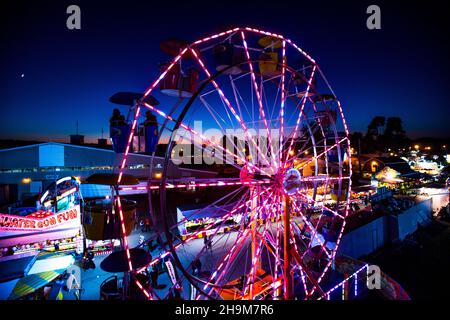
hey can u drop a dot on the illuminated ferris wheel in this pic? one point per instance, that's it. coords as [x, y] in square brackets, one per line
[265, 219]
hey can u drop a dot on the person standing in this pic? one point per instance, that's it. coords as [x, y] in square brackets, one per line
[154, 276]
[72, 283]
[196, 267]
[209, 244]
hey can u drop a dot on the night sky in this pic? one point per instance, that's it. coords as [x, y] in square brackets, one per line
[51, 76]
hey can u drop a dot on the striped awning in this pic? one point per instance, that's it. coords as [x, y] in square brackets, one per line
[47, 267]
[33, 282]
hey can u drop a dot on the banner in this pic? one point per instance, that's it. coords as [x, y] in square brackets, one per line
[193, 293]
[39, 226]
[171, 271]
[39, 220]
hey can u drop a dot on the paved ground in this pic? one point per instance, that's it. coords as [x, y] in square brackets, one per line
[92, 278]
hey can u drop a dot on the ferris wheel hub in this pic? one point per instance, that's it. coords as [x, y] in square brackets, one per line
[292, 181]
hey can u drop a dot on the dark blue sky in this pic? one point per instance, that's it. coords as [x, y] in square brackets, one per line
[401, 70]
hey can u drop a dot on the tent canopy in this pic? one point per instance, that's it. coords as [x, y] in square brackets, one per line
[47, 267]
[192, 212]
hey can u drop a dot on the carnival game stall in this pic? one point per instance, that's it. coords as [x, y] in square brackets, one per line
[192, 218]
[53, 226]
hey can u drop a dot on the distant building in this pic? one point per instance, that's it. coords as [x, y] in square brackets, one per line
[374, 165]
[28, 170]
[77, 139]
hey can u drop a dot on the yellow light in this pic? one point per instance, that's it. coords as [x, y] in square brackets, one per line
[26, 180]
[158, 175]
[416, 147]
[291, 152]
[374, 163]
[306, 152]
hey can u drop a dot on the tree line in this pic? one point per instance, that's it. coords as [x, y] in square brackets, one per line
[383, 134]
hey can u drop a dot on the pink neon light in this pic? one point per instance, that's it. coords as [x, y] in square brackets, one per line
[283, 98]
[130, 138]
[227, 102]
[238, 241]
[341, 284]
[296, 249]
[258, 96]
[215, 36]
[281, 37]
[251, 279]
[125, 240]
[143, 289]
[297, 124]
[314, 231]
[322, 153]
[153, 86]
[184, 126]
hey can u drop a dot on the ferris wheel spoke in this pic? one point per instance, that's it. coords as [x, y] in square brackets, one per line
[232, 109]
[303, 268]
[314, 231]
[322, 153]
[274, 122]
[256, 260]
[260, 103]
[297, 124]
[283, 98]
[231, 138]
[216, 205]
[181, 184]
[292, 229]
[194, 235]
[278, 239]
[229, 258]
[201, 136]
[309, 146]
[238, 96]
[322, 179]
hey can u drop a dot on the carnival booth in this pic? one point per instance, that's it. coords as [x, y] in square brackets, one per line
[53, 226]
[192, 218]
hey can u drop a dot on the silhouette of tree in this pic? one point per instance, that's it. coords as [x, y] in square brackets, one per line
[371, 139]
[394, 137]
